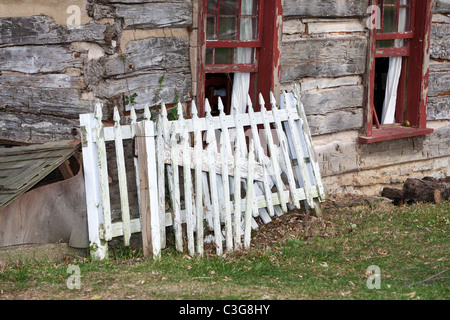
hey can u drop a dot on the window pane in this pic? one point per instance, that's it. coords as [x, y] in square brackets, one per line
[389, 23]
[211, 31]
[228, 28]
[212, 6]
[249, 29]
[229, 7]
[209, 55]
[245, 55]
[224, 55]
[248, 7]
[385, 43]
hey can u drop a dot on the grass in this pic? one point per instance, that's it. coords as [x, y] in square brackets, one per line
[408, 244]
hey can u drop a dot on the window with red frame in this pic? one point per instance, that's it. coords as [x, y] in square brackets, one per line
[398, 73]
[236, 37]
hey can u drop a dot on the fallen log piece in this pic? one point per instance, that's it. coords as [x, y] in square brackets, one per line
[426, 190]
[416, 190]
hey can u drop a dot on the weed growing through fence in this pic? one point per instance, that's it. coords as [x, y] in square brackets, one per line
[324, 258]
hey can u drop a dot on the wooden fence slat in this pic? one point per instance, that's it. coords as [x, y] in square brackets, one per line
[122, 178]
[284, 152]
[161, 178]
[308, 140]
[92, 186]
[103, 173]
[250, 197]
[276, 173]
[175, 194]
[260, 156]
[212, 146]
[237, 197]
[187, 178]
[297, 152]
[226, 193]
[198, 148]
[133, 124]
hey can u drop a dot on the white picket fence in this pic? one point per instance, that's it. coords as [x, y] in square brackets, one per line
[217, 181]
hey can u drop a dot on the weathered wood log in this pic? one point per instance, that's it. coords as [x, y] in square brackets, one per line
[323, 57]
[426, 190]
[416, 190]
[393, 194]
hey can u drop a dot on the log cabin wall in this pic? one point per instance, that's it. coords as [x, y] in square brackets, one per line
[53, 67]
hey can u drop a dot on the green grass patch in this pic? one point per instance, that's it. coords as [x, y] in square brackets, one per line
[408, 244]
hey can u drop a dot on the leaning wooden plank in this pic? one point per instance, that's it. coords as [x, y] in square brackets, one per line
[237, 198]
[133, 119]
[122, 178]
[298, 152]
[260, 157]
[250, 207]
[198, 147]
[103, 172]
[98, 247]
[145, 141]
[226, 195]
[276, 172]
[308, 140]
[284, 151]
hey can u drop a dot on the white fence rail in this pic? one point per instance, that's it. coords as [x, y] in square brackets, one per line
[216, 175]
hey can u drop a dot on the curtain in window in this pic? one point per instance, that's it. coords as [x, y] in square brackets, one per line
[394, 72]
[241, 81]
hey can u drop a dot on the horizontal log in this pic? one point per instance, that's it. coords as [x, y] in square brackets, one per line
[324, 101]
[144, 14]
[325, 8]
[323, 57]
[147, 86]
[150, 54]
[59, 102]
[439, 45]
[37, 30]
[28, 128]
[341, 120]
[39, 59]
[438, 108]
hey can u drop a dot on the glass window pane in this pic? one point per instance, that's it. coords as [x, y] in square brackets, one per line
[211, 31]
[385, 43]
[212, 6]
[229, 7]
[390, 19]
[228, 28]
[209, 55]
[249, 29]
[248, 7]
[245, 55]
[224, 56]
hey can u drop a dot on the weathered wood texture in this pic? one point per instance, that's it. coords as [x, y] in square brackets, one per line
[420, 190]
[144, 14]
[323, 57]
[325, 8]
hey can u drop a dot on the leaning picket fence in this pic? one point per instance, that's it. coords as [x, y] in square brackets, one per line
[211, 178]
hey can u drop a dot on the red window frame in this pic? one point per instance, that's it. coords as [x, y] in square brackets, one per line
[265, 69]
[417, 49]
[225, 43]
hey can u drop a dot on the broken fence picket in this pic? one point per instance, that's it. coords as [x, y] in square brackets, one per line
[195, 160]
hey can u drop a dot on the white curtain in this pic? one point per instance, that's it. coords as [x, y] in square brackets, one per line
[241, 81]
[393, 76]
